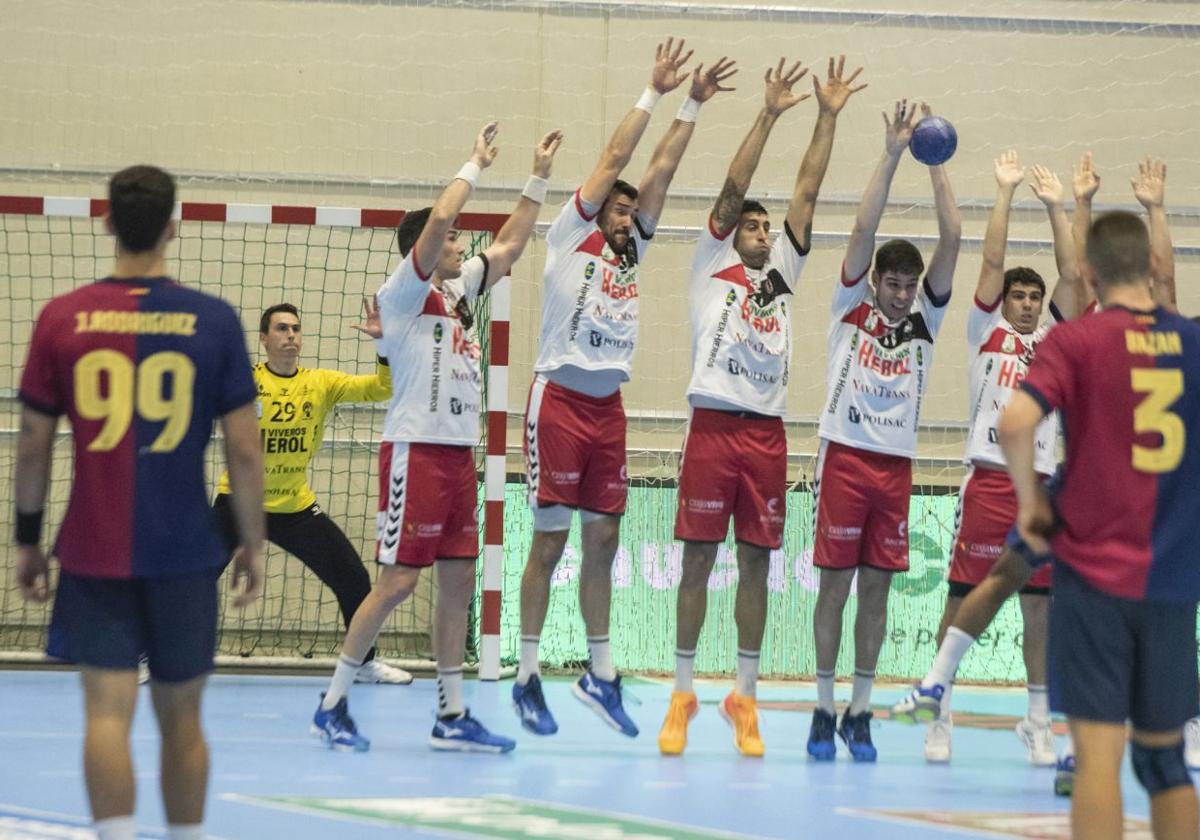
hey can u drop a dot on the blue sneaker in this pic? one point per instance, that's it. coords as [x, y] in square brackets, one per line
[1064, 776]
[920, 705]
[604, 698]
[465, 734]
[820, 736]
[530, 704]
[337, 729]
[856, 732]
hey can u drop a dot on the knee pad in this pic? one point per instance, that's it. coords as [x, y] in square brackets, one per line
[552, 518]
[1160, 768]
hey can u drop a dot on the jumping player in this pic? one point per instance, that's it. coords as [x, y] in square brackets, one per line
[428, 491]
[880, 350]
[141, 366]
[1122, 530]
[735, 455]
[575, 422]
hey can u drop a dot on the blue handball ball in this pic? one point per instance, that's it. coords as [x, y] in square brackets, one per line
[933, 141]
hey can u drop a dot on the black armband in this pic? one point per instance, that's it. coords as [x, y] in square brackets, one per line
[29, 528]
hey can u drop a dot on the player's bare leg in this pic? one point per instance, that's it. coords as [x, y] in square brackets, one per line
[832, 591]
[870, 626]
[544, 553]
[1096, 806]
[1174, 812]
[750, 612]
[110, 697]
[184, 759]
[1034, 731]
[691, 606]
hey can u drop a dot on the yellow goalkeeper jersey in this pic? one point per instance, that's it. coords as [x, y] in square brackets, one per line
[291, 422]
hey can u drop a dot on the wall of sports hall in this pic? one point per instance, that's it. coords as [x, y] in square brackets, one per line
[375, 105]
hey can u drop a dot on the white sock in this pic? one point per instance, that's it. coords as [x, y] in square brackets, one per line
[601, 653]
[945, 664]
[747, 672]
[685, 667]
[860, 696]
[1069, 749]
[528, 666]
[825, 691]
[343, 678]
[945, 715]
[192, 831]
[450, 692]
[116, 828]
[1039, 705]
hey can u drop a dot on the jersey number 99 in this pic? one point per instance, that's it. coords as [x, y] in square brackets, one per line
[131, 387]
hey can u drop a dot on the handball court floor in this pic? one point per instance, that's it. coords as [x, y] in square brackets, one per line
[271, 779]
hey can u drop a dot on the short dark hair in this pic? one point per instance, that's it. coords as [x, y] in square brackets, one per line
[1118, 248]
[749, 206]
[624, 188]
[900, 256]
[140, 202]
[410, 229]
[1024, 276]
[264, 323]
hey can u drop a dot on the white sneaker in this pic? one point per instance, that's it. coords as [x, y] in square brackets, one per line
[380, 673]
[1191, 744]
[1038, 738]
[143, 671]
[937, 740]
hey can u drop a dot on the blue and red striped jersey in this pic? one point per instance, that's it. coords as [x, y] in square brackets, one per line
[141, 368]
[1127, 384]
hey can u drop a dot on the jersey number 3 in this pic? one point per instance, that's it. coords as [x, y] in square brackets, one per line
[1162, 388]
[128, 387]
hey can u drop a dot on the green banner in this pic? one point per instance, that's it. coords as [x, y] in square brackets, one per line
[647, 570]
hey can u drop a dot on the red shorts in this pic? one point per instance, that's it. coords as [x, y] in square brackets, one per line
[987, 509]
[861, 509]
[575, 449]
[427, 504]
[732, 466]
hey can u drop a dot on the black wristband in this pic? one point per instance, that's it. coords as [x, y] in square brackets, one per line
[29, 528]
[382, 360]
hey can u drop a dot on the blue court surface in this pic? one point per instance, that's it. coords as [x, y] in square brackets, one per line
[272, 779]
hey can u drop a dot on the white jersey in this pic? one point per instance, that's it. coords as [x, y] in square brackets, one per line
[878, 371]
[742, 323]
[1000, 362]
[434, 356]
[590, 295]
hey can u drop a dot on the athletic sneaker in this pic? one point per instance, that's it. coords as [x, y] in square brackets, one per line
[820, 736]
[530, 704]
[1191, 744]
[921, 704]
[604, 698]
[1064, 776]
[379, 673]
[337, 729]
[855, 730]
[1039, 740]
[742, 714]
[937, 741]
[672, 738]
[462, 733]
[143, 671]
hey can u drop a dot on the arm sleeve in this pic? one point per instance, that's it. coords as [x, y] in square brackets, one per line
[788, 257]
[850, 292]
[980, 322]
[933, 308]
[575, 220]
[1051, 380]
[41, 388]
[404, 292]
[237, 376]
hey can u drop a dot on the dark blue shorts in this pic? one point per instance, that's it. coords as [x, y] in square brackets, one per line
[1017, 544]
[107, 623]
[1111, 659]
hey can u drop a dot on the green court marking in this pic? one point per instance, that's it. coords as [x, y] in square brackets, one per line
[500, 817]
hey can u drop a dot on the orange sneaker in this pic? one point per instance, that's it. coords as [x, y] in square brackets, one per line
[672, 738]
[742, 714]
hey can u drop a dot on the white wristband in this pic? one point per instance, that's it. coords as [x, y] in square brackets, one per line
[535, 189]
[470, 173]
[649, 99]
[688, 111]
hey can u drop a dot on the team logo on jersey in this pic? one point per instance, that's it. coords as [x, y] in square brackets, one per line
[988, 367]
[1009, 344]
[854, 415]
[307, 408]
[589, 270]
[456, 406]
[871, 322]
[992, 436]
[463, 310]
[769, 288]
[437, 332]
[730, 298]
[595, 339]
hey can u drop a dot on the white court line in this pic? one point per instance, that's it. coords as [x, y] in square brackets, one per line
[663, 785]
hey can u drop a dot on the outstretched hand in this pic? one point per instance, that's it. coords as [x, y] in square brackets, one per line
[779, 96]
[1008, 170]
[833, 95]
[1150, 184]
[1085, 179]
[668, 72]
[543, 154]
[1046, 186]
[707, 83]
[373, 325]
[485, 152]
[899, 129]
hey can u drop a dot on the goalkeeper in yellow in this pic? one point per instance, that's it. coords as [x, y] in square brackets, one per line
[292, 404]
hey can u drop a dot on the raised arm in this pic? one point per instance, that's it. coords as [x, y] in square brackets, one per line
[861, 248]
[666, 76]
[1067, 295]
[32, 478]
[510, 240]
[652, 192]
[1149, 188]
[1084, 181]
[243, 455]
[778, 98]
[949, 221]
[995, 241]
[450, 203]
[831, 98]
